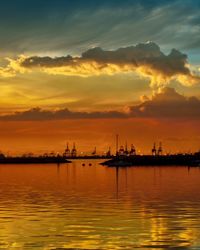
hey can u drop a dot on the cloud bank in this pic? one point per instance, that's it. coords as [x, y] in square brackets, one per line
[165, 104]
[37, 114]
[145, 59]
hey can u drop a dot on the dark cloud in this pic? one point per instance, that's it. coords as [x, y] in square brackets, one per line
[145, 57]
[165, 104]
[143, 54]
[36, 114]
[47, 61]
[132, 54]
[168, 104]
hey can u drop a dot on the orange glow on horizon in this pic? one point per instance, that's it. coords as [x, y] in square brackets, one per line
[42, 136]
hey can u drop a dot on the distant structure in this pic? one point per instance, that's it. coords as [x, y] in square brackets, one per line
[126, 153]
[154, 151]
[132, 151]
[67, 151]
[74, 151]
[117, 144]
[2, 156]
[108, 153]
[121, 151]
[160, 151]
[94, 152]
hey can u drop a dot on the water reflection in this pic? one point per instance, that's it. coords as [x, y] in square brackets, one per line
[94, 207]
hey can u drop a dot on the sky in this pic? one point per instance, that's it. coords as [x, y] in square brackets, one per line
[82, 71]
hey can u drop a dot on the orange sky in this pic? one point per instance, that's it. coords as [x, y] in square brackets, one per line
[56, 89]
[40, 136]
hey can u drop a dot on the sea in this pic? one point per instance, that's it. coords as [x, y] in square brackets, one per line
[84, 205]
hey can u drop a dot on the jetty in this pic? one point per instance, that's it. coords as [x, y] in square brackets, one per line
[33, 160]
[155, 160]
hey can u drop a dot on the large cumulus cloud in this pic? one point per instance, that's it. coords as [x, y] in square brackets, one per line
[145, 58]
[164, 104]
[167, 104]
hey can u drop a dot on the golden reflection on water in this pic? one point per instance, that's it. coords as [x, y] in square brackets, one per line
[93, 207]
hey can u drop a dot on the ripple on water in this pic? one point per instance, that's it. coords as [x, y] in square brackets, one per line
[99, 208]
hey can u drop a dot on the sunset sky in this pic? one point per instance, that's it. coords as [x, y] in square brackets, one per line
[82, 71]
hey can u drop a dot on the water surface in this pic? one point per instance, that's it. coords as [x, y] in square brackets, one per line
[94, 207]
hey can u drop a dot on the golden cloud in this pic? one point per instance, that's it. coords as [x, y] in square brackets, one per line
[166, 103]
[146, 59]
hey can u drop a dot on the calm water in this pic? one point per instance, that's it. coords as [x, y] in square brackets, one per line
[95, 207]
